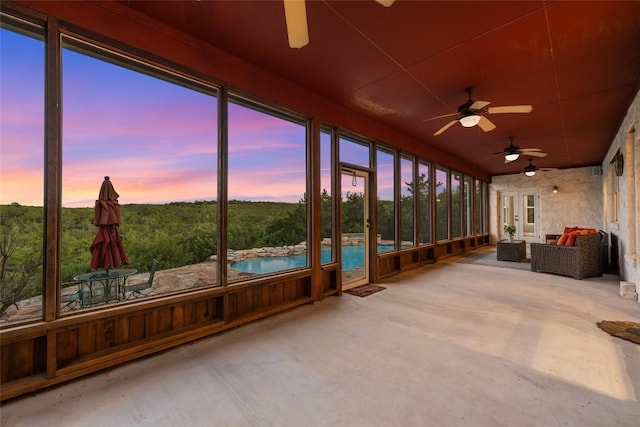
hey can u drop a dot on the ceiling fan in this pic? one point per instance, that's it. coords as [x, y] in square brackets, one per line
[531, 169]
[295, 14]
[512, 152]
[470, 114]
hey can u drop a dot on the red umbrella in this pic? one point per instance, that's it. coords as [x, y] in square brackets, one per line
[107, 250]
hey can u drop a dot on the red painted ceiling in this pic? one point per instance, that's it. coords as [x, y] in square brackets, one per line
[577, 63]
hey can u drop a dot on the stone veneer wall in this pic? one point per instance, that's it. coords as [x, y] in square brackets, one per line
[584, 197]
[577, 203]
[627, 228]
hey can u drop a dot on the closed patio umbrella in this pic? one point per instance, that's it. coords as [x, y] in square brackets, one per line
[107, 250]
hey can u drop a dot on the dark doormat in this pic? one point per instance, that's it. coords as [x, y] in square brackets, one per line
[629, 331]
[364, 290]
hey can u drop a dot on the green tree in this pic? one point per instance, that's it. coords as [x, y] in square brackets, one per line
[19, 272]
[290, 229]
[352, 209]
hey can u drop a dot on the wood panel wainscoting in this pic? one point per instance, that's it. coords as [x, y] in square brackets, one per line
[42, 354]
[38, 355]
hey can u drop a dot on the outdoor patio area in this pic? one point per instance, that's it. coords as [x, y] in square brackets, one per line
[452, 344]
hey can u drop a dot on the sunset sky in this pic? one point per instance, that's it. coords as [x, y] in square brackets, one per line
[155, 139]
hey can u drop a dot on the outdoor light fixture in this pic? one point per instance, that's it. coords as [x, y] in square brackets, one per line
[511, 157]
[470, 120]
[554, 190]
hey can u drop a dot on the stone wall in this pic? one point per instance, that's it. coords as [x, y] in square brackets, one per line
[577, 203]
[626, 228]
[586, 195]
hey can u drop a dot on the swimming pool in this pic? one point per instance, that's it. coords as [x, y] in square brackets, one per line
[352, 257]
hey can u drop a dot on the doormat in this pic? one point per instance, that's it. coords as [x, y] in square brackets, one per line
[364, 290]
[629, 331]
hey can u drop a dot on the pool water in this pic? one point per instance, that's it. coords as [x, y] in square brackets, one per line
[352, 257]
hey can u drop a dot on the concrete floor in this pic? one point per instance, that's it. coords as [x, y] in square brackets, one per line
[448, 345]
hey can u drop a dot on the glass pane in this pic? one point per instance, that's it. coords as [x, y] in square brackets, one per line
[529, 220]
[424, 193]
[267, 212]
[508, 213]
[386, 197]
[468, 210]
[326, 199]
[485, 208]
[456, 205]
[354, 152]
[478, 209]
[442, 205]
[406, 202]
[156, 138]
[21, 174]
[354, 237]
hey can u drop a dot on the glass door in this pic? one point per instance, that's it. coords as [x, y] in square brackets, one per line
[520, 209]
[354, 256]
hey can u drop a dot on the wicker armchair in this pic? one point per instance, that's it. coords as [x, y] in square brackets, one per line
[580, 261]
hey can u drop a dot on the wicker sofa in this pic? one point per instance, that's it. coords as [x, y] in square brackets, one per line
[580, 261]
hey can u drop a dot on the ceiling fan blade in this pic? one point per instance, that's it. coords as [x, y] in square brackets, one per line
[386, 3]
[535, 154]
[522, 150]
[478, 105]
[295, 14]
[440, 117]
[510, 109]
[486, 124]
[445, 127]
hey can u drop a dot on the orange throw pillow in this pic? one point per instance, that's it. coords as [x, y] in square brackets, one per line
[571, 240]
[562, 240]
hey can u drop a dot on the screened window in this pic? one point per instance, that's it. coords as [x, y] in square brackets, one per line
[326, 199]
[21, 170]
[423, 190]
[456, 204]
[267, 184]
[485, 209]
[407, 191]
[468, 205]
[355, 152]
[442, 203]
[478, 207]
[386, 197]
[155, 135]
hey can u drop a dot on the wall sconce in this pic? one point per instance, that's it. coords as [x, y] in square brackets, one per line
[555, 190]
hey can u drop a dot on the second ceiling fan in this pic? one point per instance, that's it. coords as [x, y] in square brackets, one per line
[512, 152]
[471, 114]
[295, 14]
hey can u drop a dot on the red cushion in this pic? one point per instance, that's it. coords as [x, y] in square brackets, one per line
[568, 230]
[571, 240]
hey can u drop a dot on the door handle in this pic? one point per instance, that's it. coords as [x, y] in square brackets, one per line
[368, 223]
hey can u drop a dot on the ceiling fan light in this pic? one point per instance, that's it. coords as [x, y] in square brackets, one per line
[511, 157]
[530, 173]
[470, 120]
